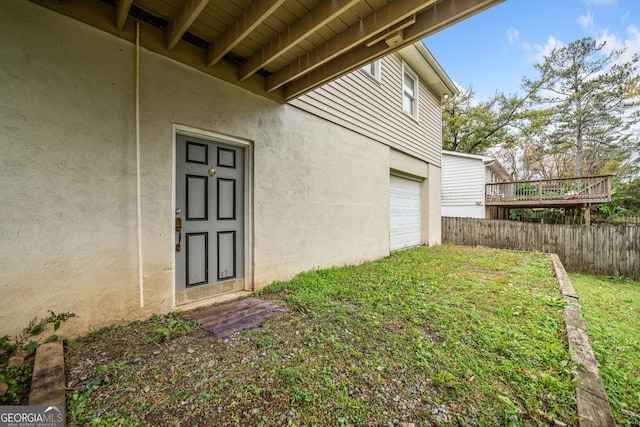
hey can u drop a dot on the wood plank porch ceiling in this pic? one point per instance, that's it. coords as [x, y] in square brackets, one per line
[279, 49]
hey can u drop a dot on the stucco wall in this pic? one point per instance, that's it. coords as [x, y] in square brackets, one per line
[67, 137]
[434, 197]
[304, 214]
[67, 210]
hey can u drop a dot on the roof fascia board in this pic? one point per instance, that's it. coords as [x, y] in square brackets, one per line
[349, 40]
[430, 72]
[442, 15]
[467, 155]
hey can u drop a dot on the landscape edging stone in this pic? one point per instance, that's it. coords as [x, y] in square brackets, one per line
[594, 409]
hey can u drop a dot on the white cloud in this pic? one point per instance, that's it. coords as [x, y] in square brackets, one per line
[599, 2]
[586, 21]
[611, 40]
[535, 53]
[512, 35]
[631, 42]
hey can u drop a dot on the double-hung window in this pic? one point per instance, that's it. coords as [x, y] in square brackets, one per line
[373, 69]
[409, 92]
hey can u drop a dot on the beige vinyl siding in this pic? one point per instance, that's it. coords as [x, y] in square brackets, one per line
[374, 109]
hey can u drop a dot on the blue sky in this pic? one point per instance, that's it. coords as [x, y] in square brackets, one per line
[493, 50]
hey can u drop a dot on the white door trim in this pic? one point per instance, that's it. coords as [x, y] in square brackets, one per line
[186, 130]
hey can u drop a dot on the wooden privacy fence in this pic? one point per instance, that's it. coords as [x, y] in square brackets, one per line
[609, 250]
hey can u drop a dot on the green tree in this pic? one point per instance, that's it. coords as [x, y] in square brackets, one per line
[468, 124]
[592, 99]
[472, 126]
[631, 191]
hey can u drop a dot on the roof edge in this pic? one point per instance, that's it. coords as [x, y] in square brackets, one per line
[420, 58]
[488, 161]
[468, 155]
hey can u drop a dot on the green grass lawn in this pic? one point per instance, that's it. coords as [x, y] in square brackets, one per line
[611, 311]
[432, 336]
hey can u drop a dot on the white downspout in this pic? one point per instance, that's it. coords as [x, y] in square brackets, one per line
[138, 185]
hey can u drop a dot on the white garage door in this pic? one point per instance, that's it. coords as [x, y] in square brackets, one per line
[404, 213]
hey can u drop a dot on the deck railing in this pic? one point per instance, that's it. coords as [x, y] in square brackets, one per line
[566, 191]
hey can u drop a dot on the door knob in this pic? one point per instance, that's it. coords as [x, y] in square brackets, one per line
[212, 171]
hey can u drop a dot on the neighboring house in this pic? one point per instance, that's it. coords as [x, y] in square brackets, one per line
[463, 183]
[126, 192]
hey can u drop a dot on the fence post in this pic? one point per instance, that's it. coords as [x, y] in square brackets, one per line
[587, 215]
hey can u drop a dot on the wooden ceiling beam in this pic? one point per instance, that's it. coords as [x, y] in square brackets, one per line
[319, 16]
[344, 53]
[442, 15]
[100, 15]
[238, 31]
[122, 11]
[370, 26]
[182, 22]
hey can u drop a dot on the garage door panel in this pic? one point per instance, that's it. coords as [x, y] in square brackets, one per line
[404, 202]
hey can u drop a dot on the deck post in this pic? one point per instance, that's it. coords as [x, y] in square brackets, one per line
[540, 191]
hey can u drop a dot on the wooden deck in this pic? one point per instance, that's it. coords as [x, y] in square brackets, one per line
[564, 192]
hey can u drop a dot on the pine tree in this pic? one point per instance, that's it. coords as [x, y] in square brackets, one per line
[593, 98]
